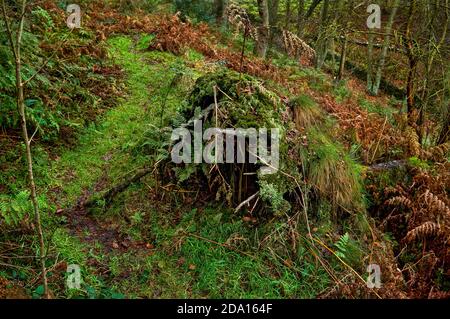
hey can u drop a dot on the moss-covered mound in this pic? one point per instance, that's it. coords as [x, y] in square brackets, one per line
[312, 166]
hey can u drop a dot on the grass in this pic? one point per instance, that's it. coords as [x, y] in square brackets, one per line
[306, 111]
[341, 92]
[208, 269]
[332, 171]
[211, 253]
[105, 148]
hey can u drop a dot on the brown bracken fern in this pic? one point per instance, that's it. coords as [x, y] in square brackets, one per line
[296, 47]
[426, 230]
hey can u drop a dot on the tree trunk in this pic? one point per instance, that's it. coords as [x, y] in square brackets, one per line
[444, 136]
[343, 58]
[219, 8]
[370, 62]
[263, 30]
[301, 18]
[288, 14]
[376, 86]
[412, 62]
[273, 7]
[433, 50]
[322, 42]
[16, 49]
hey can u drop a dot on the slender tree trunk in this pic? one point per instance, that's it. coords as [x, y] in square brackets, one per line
[300, 18]
[273, 12]
[444, 136]
[370, 62]
[343, 58]
[16, 49]
[322, 43]
[273, 7]
[288, 14]
[412, 61]
[219, 8]
[344, 27]
[387, 41]
[434, 48]
[263, 30]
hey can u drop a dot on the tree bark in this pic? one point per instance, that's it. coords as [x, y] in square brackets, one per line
[434, 48]
[300, 18]
[273, 7]
[370, 62]
[322, 42]
[288, 14]
[263, 30]
[412, 61]
[312, 7]
[376, 86]
[219, 9]
[343, 58]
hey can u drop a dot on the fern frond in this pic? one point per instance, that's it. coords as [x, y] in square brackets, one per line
[438, 153]
[342, 246]
[399, 201]
[428, 229]
[435, 204]
[296, 47]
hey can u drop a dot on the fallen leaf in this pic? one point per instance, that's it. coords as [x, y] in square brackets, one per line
[181, 261]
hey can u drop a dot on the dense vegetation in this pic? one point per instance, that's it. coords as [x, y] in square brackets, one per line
[86, 176]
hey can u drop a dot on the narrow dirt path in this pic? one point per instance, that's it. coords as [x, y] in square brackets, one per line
[105, 154]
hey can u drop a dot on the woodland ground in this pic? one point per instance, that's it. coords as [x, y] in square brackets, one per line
[160, 239]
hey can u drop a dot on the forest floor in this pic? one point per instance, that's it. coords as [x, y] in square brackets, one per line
[145, 245]
[160, 239]
[154, 240]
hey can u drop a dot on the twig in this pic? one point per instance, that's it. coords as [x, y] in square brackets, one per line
[247, 201]
[343, 262]
[11, 266]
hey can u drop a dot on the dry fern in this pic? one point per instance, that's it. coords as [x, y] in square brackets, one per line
[399, 201]
[238, 18]
[413, 144]
[436, 153]
[435, 204]
[428, 229]
[296, 47]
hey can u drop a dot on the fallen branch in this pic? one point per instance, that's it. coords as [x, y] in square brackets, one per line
[387, 165]
[247, 201]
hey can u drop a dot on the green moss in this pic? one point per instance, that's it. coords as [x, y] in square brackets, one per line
[417, 162]
[306, 111]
